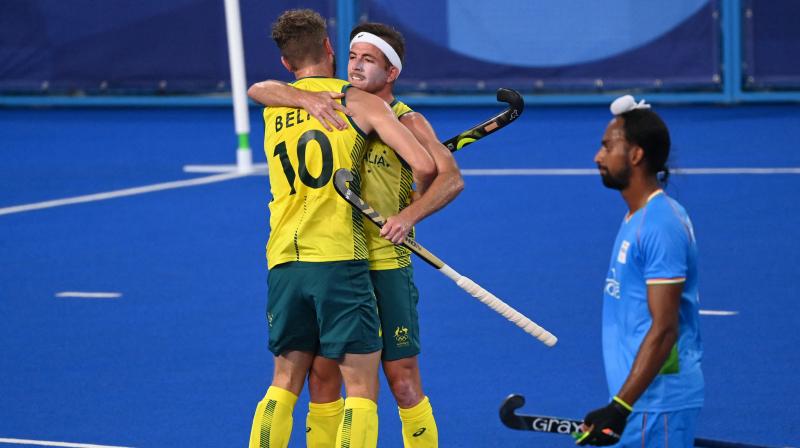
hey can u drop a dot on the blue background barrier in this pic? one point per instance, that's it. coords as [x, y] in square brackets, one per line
[127, 53]
[771, 44]
[170, 47]
[541, 46]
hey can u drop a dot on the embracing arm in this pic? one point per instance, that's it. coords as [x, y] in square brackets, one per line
[273, 93]
[372, 113]
[321, 105]
[447, 183]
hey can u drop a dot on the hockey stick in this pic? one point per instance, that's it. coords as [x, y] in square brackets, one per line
[340, 179]
[541, 423]
[538, 423]
[515, 106]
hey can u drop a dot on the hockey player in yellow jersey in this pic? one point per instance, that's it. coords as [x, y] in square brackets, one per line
[320, 299]
[308, 222]
[386, 186]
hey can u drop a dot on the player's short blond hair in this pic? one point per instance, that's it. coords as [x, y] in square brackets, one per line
[300, 35]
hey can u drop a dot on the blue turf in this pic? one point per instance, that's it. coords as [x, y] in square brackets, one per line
[181, 359]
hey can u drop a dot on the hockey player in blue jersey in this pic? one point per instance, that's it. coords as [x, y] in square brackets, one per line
[651, 341]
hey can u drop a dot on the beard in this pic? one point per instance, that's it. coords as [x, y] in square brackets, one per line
[618, 181]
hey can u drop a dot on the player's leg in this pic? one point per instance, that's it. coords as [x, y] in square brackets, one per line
[416, 414]
[397, 305]
[293, 339]
[350, 333]
[272, 421]
[326, 406]
[404, 381]
[359, 427]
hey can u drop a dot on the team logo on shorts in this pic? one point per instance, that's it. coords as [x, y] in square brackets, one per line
[401, 336]
[269, 319]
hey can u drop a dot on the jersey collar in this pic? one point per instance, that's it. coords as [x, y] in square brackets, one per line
[629, 215]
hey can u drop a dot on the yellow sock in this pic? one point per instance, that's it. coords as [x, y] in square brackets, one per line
[359, 426]
[272, 423]
[419, 426]
[322, 422]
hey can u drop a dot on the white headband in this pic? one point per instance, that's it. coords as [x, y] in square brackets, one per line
[626, 104]
[385, 48]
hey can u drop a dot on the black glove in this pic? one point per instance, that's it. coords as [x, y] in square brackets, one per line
[607, 424]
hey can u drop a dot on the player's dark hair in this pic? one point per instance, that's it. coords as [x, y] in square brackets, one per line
[300, 35]
[385, 32]
[646, 129]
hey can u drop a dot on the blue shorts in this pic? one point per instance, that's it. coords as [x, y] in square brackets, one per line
[673, 429]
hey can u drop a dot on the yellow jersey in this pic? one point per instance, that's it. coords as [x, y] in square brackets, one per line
[386, 185]
[308, 220]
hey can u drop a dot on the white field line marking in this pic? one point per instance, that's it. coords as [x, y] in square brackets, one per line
[531, 172]
[261, 169]
[788, 170]
[594, 172]
[121, 193]
[90, 295]
[228, 172]
[718, 313]
[48, 443]
[258, 168]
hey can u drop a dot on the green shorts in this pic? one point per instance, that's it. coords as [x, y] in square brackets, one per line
[397, 304]
[327, 308]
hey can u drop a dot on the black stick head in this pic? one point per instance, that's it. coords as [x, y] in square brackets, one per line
[507, 415]
[514, 100]
[513, 402]
[340, 180]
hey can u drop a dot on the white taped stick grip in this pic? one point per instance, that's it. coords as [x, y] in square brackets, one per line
[500, 307]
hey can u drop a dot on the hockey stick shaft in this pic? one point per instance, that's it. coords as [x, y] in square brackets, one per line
[556, 425]
[477, 132]
[340, 179]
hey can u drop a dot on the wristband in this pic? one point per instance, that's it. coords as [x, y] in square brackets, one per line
[622, 403]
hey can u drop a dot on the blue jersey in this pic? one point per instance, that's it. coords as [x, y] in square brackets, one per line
[654, 245]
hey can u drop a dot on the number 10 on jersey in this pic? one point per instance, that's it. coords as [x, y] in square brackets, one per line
[309, 180]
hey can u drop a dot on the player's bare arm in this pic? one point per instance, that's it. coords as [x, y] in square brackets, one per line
[448, 180]
[442, 189]
[663, 300]
[321, 105]
[372, 113]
